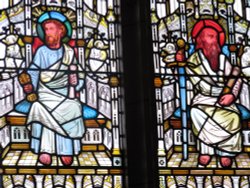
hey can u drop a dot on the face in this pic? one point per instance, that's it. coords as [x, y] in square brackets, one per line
[51, 29]
[210, 36]
[53, 34]
[208, 42]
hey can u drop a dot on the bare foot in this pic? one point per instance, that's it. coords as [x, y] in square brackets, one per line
[45, 159]
[204, 160]
[67, 160]
[226, 162]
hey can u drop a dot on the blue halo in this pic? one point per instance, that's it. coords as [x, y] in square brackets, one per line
[53, 15]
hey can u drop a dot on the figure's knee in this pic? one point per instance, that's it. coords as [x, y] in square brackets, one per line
[236, 117]
[194, 112]
[36, 105]
[234, 124]
[195, 126]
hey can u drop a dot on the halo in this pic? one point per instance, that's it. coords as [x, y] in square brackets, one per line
[54, 15]
[200, 25]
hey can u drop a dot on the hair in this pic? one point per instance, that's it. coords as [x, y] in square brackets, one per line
[58, 24]
[199, 38]
[211, 51]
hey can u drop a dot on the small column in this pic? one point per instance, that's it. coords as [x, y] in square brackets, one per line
[11, 26]
[112, 39]
[247, 10]
[160, 125]
[200, 181]
[231, 30]
[167, 7]
[114, 82]
[78, 179]
[102, 7]
[215, 3]
[158, 89]
[28, 32]
[181, 181]
[153, 5]
[243, 9]
[118, 181]
[110, 4]
[39, 181]
[246, 13]
[155, 40]
[183, 20]
[173, 6]
[80, 42]
[79, 32]
[161, 9]
[162, 181]
[196, 9]
[236, 181]
[217, 181]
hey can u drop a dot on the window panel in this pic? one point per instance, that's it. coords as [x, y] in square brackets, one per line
[60, 93]
[194, 76]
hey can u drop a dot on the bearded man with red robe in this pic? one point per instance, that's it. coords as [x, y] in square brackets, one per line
[214, 115]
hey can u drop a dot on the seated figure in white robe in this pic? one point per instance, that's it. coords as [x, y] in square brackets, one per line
[55, 120]
[215, 118]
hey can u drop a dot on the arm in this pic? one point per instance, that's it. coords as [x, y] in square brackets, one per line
[34, 68]
[77, 79]
[25, 81]
[232, 88]
[29, 80]
[34, 73]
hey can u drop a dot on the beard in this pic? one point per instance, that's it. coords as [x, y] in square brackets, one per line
[212, 52]
[52, 40]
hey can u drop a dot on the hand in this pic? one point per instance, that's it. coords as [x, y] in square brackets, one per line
[226, 100]
[180, 56]
[28, 88]
[31, 97]
[24, 78]
[73, 76]
[73, 79]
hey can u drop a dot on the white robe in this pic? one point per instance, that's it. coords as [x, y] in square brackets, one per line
[217, 127]
[55, 121]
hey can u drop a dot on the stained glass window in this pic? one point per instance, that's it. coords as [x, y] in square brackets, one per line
[201, 66]
[61, 112]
